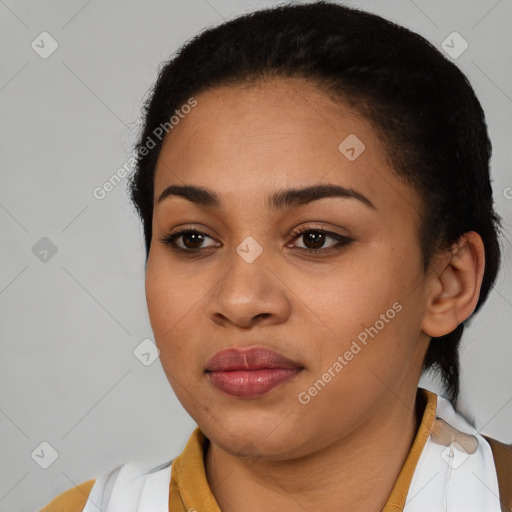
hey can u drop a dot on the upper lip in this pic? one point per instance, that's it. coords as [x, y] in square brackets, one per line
[253, 358]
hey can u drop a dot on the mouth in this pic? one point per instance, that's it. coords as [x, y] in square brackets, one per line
[250, 373]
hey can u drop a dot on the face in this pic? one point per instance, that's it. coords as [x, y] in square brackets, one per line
[343, 300]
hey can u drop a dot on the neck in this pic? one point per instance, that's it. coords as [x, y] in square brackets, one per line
[356, 472]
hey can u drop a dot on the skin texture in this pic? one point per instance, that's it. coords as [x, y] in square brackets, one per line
[342, 450]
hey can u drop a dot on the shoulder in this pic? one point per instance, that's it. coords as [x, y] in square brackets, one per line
[502, 454]
[72, 500]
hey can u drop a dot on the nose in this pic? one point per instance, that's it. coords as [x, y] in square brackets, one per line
[249, 294]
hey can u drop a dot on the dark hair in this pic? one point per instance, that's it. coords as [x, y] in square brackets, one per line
[420, 103]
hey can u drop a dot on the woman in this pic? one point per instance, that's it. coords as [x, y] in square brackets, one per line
[314, 189]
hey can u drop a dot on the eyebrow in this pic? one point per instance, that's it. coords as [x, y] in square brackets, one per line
[286, 198]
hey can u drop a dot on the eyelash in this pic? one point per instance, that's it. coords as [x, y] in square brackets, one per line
[343, 241]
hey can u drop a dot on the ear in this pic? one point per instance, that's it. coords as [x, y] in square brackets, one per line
[456, 279]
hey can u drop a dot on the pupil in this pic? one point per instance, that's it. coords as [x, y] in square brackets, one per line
[194, 236]
[310, 237]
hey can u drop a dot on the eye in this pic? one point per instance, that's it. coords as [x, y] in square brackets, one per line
[191, 240]
[314, 239]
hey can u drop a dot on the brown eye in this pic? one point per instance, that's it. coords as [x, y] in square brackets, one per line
[314, 239]
[191, 240]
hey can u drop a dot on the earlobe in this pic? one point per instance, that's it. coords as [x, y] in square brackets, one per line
[455, 286]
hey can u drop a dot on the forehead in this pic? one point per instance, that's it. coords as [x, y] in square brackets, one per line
[247, 141]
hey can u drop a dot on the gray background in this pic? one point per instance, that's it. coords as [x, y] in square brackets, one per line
[70, 324]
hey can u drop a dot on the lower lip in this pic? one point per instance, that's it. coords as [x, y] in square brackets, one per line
[253, 383]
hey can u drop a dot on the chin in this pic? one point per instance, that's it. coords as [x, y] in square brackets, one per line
[255, 440]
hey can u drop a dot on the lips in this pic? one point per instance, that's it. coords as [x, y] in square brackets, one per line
[249, 373]
[255, 358]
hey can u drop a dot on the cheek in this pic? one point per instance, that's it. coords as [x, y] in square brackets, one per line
[373, 302]
[177, 335]
[172, 301]
[353, 295]
[171, 304]
[172, 292]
